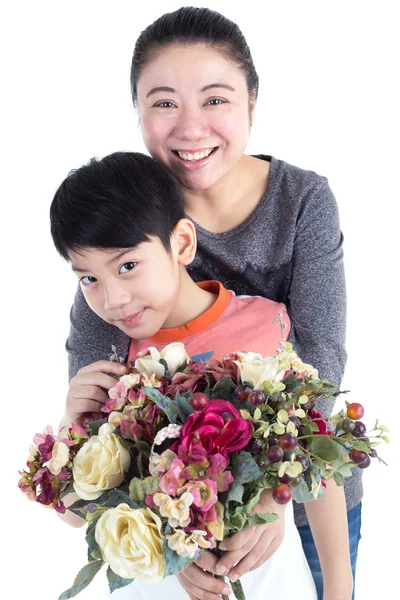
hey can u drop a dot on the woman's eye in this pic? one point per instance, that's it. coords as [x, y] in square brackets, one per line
[215, 101]
[126, 267]
[88, 280]
[165, 104]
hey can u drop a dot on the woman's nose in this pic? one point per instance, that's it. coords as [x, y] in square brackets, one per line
[192, 125]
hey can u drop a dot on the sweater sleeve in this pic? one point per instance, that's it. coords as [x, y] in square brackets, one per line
[317, 295]
[90, 338]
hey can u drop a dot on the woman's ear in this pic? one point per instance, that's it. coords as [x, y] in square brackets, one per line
[184, 241]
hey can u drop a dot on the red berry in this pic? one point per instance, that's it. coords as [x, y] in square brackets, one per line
[256, 446]
[257, 397]
[365, 463]
[275, 454]
[303, 460]
[286, 478]
[282, 494]
[242, 392]
[199, 401]
[355, 411]
[288, 441]
[359, 429]
[358, 456]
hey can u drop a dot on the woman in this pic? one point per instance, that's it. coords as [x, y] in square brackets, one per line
[264, 228]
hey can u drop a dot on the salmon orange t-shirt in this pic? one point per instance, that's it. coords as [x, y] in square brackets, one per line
[232, 324]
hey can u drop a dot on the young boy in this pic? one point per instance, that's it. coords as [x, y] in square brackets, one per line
[120, 221]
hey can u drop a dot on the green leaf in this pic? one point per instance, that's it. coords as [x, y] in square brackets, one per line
[167, 405]
[262, 518]
[94, 426]
[94, 552]
[223, 389]
[140, 488]
[238, 590]
[301, 493]
[182, 406]
[115, 582]
[244, 470]
[82, 580]
[325, 448]
[338, 477]
[359, 445]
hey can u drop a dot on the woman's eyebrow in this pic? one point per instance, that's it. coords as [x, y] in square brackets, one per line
[161, 88]
[217, 85]
[164, 88]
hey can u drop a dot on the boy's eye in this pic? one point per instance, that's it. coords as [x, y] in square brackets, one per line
[88, 280]
[127, 267]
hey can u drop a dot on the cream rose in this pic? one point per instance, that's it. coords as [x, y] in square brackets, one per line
[256, 370]
[174, 355]
[131, 541]
[100, 464]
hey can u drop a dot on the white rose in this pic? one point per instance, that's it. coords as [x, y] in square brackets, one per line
[174, 355]
[60, 457]
[256, 369]
[100, 464]
[131, 541]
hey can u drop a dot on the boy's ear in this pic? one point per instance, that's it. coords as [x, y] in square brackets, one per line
[184, 241]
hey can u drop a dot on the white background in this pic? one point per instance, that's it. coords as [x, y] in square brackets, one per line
[327, 102]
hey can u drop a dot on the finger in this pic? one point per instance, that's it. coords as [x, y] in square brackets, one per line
[238, 540]
[229, 559]
[207, 561]
[257, 557]
[104, 366]
[93, 378]
[201, 584]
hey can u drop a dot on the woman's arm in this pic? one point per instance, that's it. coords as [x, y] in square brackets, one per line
[90, 338]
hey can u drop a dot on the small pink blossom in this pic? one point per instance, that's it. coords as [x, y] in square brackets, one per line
[172, 480]
[204, 492]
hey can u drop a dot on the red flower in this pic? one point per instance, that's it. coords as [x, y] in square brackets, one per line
[322, 425]
[225, 367]
[218, 428]
[184, 382]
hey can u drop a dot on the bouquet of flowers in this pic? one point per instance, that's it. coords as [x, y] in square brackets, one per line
[182, 451]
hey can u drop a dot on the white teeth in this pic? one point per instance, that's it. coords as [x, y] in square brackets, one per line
[196, 155]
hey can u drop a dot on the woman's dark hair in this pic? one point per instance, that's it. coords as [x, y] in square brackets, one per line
[190, 25]
[115, 202]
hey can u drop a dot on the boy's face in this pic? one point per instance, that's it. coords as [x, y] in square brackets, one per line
[135, 289]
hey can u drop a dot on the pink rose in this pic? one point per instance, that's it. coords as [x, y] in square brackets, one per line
[225, 367]
[184, 382]
[218, 428]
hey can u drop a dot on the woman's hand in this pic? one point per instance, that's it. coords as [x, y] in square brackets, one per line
[88, 390]
[250, 548]
[201, 585]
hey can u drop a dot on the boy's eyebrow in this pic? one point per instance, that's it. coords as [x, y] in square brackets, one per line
[110, 261]
[164, 88]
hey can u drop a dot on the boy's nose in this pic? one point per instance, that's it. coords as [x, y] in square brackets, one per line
[116, 298]
[192, 125]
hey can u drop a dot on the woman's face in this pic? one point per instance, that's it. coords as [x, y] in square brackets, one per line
[194, 113]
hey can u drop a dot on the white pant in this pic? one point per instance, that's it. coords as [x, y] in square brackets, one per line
[286, 575]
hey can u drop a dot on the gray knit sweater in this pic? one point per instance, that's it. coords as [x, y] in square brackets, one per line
[289, 250]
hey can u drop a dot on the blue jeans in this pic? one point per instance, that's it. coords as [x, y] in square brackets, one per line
[354, 521]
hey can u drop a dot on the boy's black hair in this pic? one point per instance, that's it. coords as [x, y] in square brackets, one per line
[115, 202]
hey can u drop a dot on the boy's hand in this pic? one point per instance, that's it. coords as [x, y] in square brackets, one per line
[201, 585]
[253, 546]
[88, 390]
